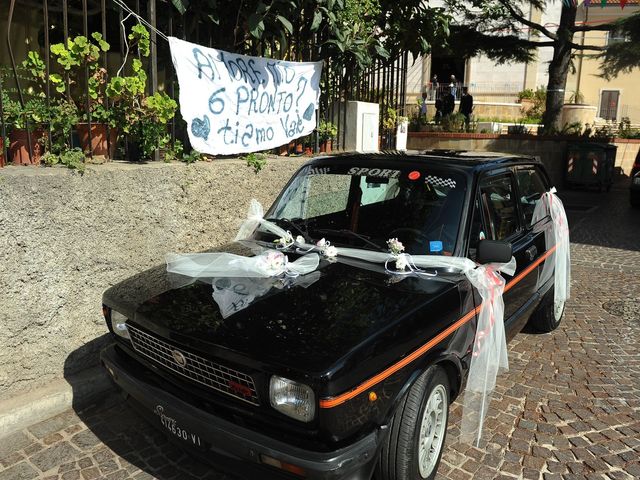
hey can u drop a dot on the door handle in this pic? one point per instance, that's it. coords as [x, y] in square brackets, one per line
[531, 252]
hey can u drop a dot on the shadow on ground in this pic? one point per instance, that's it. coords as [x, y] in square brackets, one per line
[114, 427]
[617, 223]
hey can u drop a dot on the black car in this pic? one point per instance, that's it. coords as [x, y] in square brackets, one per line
[348, 371]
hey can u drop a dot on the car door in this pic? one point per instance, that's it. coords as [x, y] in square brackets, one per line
[531, 184]
[498, 217]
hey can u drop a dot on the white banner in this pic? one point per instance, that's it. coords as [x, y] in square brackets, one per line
[236, 104]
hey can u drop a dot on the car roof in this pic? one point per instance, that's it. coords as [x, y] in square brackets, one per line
[459, 159]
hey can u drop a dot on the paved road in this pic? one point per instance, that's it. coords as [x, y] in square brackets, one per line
[568, 408]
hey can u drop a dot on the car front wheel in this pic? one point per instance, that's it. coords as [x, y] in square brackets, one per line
[417, 431]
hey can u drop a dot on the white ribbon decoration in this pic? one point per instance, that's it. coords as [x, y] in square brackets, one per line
[255, 218]
[489, 352]
[270, 263]
[558, 236]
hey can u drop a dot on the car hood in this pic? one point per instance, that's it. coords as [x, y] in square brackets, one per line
[307, 323]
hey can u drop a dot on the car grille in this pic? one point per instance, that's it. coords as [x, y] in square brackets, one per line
[198, 369]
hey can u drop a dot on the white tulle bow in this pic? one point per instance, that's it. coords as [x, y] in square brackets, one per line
[255, 218]
[559, 263]
[270, 263]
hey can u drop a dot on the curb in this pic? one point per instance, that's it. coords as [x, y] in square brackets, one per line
[21, 411]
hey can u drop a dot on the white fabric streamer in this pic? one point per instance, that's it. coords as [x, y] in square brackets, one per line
[489, 352]
[270, 263]
[255, 218]
[559, 262]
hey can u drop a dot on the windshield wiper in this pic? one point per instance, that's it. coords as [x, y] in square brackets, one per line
[351, 233]
[290, 223]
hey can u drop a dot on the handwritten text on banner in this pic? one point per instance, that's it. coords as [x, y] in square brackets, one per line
[235, 103]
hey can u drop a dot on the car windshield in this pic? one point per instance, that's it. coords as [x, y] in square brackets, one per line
[363, 207]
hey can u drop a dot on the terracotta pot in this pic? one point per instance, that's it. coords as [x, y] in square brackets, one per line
[299, 148]
[19, 146]
[527, 104]
[283, 150]
[325, 146]
[308, 151]
[98, 139]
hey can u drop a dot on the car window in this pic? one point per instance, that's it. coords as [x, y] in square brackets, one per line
[327, 194]
[364, 207]
[531, 187]
[375, 190]
[476, 232]
[499, 207]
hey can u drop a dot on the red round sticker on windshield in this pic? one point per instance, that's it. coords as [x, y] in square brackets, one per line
[414, 175]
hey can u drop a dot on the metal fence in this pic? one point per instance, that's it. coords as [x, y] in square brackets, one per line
[60, 20]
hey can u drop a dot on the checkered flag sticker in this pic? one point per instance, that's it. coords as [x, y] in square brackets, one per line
[440, 182]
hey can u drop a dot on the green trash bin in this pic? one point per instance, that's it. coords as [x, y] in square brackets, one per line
[590, 165]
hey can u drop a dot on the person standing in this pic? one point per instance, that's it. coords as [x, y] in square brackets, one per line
[423, 108]
[434, 87]
[466, 106]
[454, 86]
[448, 102]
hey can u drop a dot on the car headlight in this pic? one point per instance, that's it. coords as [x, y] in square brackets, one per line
[292, 398]
[119, 324]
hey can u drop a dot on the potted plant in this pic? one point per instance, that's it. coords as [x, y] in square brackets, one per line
[526, 99]
[64, 117]
[27, 135]
[79, 52]
[307, 144]
[389, 121]
[518, 129]
[327, 131]
[144, 118]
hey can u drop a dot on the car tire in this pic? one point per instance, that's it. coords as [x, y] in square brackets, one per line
[547, 315]
[417, 430]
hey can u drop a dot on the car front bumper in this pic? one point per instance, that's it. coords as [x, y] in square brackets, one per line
[231, 446]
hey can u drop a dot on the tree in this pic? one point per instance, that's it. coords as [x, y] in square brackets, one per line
[353, 33]
[621, 57]
[495, 28]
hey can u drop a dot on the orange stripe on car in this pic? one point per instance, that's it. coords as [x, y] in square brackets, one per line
[331, 402]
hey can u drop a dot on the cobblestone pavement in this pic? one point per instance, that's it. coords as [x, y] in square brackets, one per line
[568, 408]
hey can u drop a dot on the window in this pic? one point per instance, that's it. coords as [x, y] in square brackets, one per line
[531, 188]
[499, 208]
[609, 104]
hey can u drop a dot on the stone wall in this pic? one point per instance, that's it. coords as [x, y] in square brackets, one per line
[65, 238]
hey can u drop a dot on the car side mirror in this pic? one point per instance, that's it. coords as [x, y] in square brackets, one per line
[494, 251]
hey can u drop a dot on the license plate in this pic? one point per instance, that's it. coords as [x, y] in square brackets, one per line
[171, 425]
[636, 181]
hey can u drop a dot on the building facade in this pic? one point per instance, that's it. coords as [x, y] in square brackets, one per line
[495, 87]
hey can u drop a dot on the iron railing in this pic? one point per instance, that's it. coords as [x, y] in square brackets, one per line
[58, 20]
